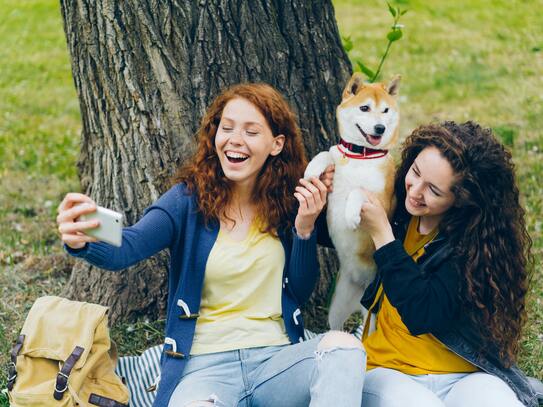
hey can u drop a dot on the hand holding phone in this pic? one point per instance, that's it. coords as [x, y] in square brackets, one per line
[81, 221]
[110, 228]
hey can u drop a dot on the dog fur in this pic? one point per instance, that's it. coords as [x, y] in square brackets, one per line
[354, 246]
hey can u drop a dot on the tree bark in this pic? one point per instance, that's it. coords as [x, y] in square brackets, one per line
[145, 71]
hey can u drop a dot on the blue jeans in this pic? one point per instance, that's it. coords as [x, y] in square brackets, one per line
[289, 375]
[390, 388]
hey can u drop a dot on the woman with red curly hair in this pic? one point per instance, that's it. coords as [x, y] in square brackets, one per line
[452, 277]
[240, 227]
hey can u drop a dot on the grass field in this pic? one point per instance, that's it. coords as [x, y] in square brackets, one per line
[480, 60]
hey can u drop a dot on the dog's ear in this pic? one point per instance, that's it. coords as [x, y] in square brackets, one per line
[394, 86]
[354, 85]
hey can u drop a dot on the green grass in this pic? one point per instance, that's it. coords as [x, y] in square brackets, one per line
[39, 120]
[39, 138]
[460, 60]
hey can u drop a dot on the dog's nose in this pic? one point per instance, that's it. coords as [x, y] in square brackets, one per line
[379, 128]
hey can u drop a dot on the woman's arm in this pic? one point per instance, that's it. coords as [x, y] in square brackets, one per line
[151, 234]
[155, 231]
[427, 301]
[303, 267]
[323, 235]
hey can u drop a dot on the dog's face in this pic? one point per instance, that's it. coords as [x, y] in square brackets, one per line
[368, 114]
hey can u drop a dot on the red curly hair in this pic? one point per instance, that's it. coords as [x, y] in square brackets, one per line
[273, 192]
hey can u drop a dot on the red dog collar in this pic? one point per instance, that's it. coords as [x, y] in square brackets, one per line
[360, 152]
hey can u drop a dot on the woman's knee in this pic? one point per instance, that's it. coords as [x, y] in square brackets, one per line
[337, 339]
[390, 388]
[481, 389]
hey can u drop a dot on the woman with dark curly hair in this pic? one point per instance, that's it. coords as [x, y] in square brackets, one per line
[239, 225]
[452, 278]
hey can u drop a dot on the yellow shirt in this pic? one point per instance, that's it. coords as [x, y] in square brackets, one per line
[241, 297]
[392, 345]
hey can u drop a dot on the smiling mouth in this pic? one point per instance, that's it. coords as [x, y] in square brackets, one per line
[415, 203]
[235, 157]
[370, 138]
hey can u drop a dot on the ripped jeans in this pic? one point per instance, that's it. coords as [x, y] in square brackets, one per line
[289, 375]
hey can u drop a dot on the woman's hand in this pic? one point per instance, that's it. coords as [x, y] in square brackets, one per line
[374, 219]
[70, 228]
[312, 198]
[327, 177]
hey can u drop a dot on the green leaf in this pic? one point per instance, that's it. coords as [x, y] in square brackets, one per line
[347, 43]
[391, 9]
[364, 69]
[403, 12]
[394, 35]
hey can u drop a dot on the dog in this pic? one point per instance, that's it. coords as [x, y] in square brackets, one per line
[368, 120]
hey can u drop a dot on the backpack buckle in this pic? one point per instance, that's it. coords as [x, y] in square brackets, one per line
[62, 379]
[12, 375]
[62, 375]
[12, 368]
[12, 371]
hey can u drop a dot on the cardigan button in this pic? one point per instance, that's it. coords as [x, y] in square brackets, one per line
[191, 316]
[295, 316]
[176, 355]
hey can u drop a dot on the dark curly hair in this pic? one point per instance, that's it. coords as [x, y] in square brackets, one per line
[273, 193]
[486, 227]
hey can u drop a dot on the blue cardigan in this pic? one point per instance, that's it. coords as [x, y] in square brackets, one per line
[173, 222]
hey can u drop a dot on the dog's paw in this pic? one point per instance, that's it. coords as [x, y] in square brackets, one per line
[352, 217]
[312, 171]
[317, 165]
[353, 206]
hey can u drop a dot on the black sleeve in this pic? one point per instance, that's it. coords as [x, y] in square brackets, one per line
[323, 236]
[369, 294]
[427, 301]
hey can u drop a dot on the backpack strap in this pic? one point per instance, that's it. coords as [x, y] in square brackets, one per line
[101, 401]
[62, 377]
[12, 371]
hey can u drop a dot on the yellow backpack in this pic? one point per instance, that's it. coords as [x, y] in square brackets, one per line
[64, 357]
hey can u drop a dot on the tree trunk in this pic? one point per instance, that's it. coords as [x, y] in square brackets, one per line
[146, 70]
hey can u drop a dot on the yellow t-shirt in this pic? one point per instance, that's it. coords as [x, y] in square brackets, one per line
[241, 296]
[392, 345]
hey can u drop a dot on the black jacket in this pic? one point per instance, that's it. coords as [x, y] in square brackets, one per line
[426, 294]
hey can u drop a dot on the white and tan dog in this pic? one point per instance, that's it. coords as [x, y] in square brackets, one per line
[368, 119]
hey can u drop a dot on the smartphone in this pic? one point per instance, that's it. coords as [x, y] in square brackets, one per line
[111, 225]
